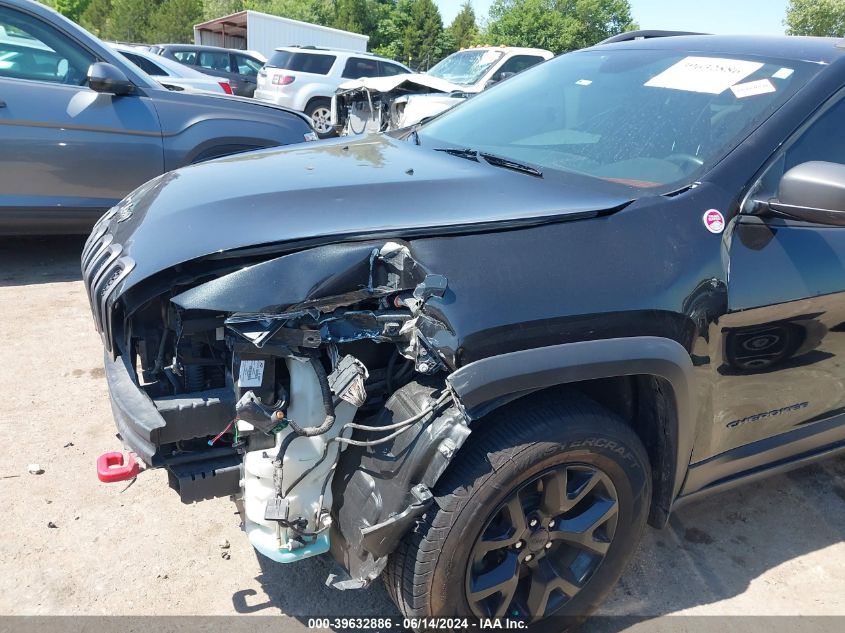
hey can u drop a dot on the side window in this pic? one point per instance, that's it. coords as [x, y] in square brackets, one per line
[823, 139]
[390, 70]
[145, 64]
[247, 65]
[32, 49]
[185, 57]
[517, 64]
[214, 60]
[357, 67]
[312, 63]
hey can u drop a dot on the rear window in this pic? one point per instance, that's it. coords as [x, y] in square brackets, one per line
[314, 63]
[144, 64]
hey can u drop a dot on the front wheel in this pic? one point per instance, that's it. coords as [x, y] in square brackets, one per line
[535, 518]
[320, 113]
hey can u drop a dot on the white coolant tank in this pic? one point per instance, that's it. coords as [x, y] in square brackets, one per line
[306, 409]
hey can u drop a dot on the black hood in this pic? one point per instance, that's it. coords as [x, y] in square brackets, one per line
[338, 190]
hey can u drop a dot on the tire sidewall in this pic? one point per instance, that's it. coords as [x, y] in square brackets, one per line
[627, 468]
[309, 112]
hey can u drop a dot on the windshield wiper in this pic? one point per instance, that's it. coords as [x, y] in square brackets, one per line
[507, 163]
[492, 159]
[467, 153]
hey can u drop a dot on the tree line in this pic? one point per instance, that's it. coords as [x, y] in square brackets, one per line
[411, 31]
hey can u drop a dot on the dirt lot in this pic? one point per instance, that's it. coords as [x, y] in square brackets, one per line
[771, 548]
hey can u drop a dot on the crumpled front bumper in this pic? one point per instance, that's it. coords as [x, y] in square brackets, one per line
[137, 418]
[145, 425]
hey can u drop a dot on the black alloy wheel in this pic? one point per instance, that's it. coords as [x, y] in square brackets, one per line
[542, 544]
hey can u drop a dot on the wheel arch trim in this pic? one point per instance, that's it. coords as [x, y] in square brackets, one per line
[487, 384]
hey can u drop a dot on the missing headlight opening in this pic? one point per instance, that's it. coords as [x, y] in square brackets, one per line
[274, 391]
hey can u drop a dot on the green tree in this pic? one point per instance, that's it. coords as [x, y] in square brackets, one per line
[352, 15]
[557, 25]
[824, 18]
[174, 20]
[392, 19]
[212, 9]
[423, 37]
[72, 9]
[130, 20]
[96, 17]
[463, 32]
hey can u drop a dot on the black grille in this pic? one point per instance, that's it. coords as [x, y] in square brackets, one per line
[103, 267]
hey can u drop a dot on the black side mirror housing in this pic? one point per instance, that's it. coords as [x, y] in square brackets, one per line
[105, 77]
[812, 192]
[497, 78]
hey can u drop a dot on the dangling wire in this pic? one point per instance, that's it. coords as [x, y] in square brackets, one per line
[212, 441]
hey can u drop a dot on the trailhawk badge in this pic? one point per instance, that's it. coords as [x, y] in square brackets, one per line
[714, 221]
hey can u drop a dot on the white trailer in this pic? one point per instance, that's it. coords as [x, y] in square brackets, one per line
[261, 32]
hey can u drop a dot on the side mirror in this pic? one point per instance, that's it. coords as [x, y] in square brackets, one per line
[813, 192]
[104, 77]
[497, 79]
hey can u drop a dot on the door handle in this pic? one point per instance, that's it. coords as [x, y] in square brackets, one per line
[2, 104]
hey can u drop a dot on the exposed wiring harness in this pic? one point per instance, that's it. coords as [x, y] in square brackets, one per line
[398, 428]
[401, 427]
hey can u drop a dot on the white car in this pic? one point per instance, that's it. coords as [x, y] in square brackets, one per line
[306, 78]
[473, 69]
[172, 74]
[379, 104]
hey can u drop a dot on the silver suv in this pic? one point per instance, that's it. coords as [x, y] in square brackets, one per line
[305, 78]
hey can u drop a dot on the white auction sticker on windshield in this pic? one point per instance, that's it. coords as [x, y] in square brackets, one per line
[751, 88]
[251, 373]
[711, 75]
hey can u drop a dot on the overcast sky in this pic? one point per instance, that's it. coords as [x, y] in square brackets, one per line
[763, 17]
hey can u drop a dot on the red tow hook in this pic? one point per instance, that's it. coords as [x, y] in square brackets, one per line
[110, 467]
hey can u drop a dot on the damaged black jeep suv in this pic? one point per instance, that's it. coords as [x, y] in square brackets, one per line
[477, 356]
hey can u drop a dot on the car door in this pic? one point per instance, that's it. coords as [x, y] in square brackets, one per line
[780, 354]
[246, 70]
[67, 153]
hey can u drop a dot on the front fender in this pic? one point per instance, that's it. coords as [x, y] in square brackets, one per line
[488, 383]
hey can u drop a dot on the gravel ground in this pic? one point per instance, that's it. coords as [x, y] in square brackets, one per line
[72, 545]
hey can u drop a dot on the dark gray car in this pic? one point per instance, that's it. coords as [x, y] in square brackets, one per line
[240, 68]
[80, 127]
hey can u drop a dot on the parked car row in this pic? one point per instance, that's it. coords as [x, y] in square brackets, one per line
[309, 78]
